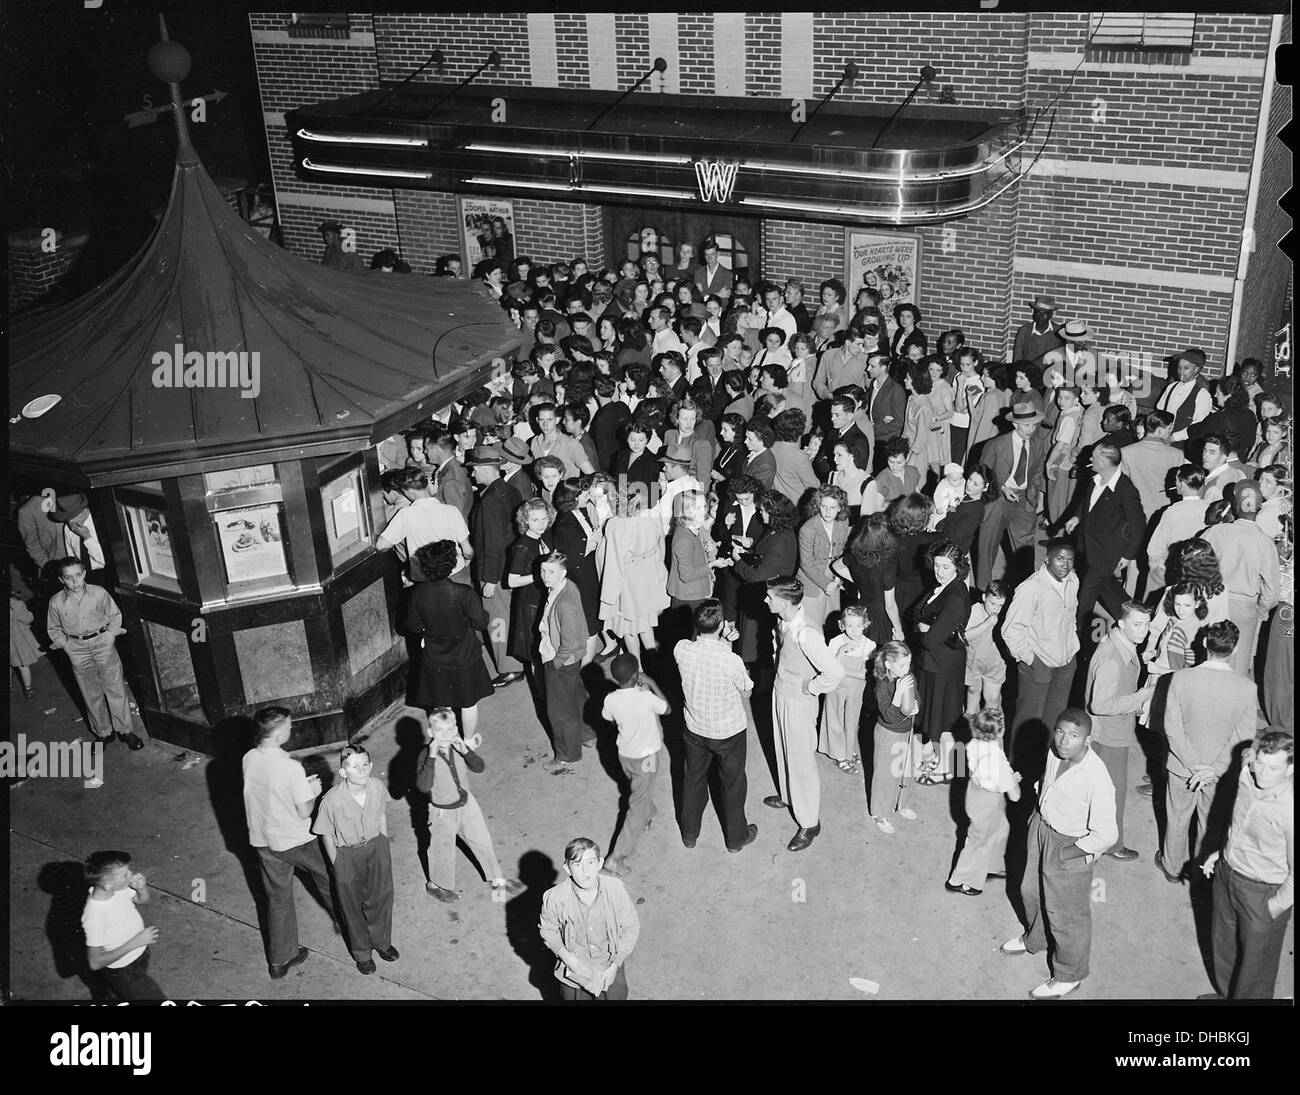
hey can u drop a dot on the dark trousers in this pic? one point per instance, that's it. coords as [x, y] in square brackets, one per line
[957, 436]
[565, 696]
[1116, 762]
[1014, 520]
[616, 991]
[134, 983]
[278, 869]
[1098, 583]
[1044, 692]
[730, 755]
[1058, 902]
[1246, 938]
[364, 876]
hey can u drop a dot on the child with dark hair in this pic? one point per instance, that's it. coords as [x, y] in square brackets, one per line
[990, 778]
[117, 942]
[635, 708]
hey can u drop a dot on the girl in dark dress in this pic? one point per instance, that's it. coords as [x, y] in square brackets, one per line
[573, 536]
[774, 554]
[909, 517]
[941, 665]
[449, 616]
[523, 576]
[732, 453]
[870, 563]
[962, 523]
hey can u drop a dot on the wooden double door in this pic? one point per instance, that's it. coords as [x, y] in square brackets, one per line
[632, 232]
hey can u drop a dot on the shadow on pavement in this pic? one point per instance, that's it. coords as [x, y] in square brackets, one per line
[537, 873]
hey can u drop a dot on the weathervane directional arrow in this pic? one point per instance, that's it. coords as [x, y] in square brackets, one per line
[148, 117]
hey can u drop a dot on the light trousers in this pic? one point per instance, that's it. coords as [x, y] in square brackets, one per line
[986, 839]
[795, 721]
[465, 821]
[838, 737]
[1181, 802]
[98, 669]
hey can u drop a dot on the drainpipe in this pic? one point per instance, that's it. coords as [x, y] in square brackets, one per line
[1248, 241]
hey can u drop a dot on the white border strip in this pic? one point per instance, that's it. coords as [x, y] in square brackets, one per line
[1245, 68]
[1110, 171]
[543, 65]
[1135, 275]
[336, 201]
[797, 55]
[358, 39]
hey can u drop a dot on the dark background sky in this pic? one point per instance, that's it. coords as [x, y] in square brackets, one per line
[70, 161]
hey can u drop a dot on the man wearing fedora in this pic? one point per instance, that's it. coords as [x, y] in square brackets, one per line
[84, 621]
[1041, 335]
[491, 530]
[1018, 461]
[515, 459]
[675, 479]
[1186, 397]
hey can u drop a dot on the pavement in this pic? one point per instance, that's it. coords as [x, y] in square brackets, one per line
[858, 916]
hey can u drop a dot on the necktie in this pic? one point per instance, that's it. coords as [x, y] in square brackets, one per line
[1022, 465]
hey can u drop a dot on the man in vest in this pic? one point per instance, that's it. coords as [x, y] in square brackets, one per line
[1187, 398]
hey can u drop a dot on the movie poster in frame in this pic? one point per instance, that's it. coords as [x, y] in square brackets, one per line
[888, 262]
[487, 230]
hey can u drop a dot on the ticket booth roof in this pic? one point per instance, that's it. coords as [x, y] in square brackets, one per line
[340, 355]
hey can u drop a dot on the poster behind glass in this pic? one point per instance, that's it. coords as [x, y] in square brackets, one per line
[487, 228]
[252, 543]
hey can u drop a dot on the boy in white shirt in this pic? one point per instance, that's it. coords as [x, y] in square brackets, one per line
[990, 778]
[117, 942]
[635, 707]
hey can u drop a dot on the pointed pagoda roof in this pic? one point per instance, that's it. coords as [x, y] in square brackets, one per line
[345, 359]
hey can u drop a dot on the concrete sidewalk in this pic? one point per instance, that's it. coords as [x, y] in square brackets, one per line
[765, 924]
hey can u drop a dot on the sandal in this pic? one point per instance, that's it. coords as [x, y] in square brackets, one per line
[883, 824]
[906, 813]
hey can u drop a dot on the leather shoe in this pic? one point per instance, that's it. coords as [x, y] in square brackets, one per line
[504, 679]
[803, 838]
[1052, 989]
[1124, 855]
[389, 953]
[132, 741]
[277, 972]
[557, 767]
[368, 966]
[445, 896]
[968, 891]
[1171, 878]
[689, 841]
[751, 835]
[776, 802]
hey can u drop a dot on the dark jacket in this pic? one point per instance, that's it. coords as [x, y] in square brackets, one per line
[606, 425]
[825, 463]
[943, 646]
[492, 530]
[890, 403]
[644, 469]
[1114, 529]
[762, 467]
[448, 615]
[451, 484]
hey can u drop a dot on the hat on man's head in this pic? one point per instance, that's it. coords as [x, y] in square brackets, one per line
[515, 450]
[1025, 413]
[330, 226]
[1195, 356]
[484, 454]
[1044, 302]
[69, 505]
[680, 455]
[1075, 330]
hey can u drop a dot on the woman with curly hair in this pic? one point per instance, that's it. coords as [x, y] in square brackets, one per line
[909, 333]
[833, 302]
[909, 520]
[927, 440]
[899, 477]
[448, 617]
[821, 542]
[941, 662]
[773, 555]
[634, 345]
[870, 563]
[731, 450]
[1194, 566]
[533, 520]
[1027, 385]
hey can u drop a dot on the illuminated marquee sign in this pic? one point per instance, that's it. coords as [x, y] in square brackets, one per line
[715, 181]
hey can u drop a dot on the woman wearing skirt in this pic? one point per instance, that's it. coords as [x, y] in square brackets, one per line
[941, 678]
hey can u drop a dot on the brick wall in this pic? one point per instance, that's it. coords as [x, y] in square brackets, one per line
[35, 272]
[1269, 269]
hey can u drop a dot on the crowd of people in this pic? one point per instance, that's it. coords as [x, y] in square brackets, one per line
[815, 518]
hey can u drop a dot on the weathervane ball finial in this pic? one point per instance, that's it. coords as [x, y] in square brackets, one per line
[169, 62]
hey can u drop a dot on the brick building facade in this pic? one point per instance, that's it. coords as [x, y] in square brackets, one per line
[1133, 217]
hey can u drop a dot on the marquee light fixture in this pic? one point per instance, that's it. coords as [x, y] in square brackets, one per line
[435, 57]
[660, 65]
[344, 169]
[569, 188]
[899, 217]
[849, 75]
[359, 138]
[493, 61]
[578, 153]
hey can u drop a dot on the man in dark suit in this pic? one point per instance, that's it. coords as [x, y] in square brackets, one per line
[886, 405]
[844, 430]
[713, 279]
[739, 518]
[1017, 461]
[1109, 527]
[450, 482]
[491, 531]
[607, 422]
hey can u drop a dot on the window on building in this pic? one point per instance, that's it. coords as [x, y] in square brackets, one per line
[650, 241]
[314, 25]
[1161, 32]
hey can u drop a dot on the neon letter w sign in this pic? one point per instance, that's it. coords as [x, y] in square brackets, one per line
[715, 180]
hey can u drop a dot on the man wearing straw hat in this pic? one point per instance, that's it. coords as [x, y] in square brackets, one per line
[1041, 335]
